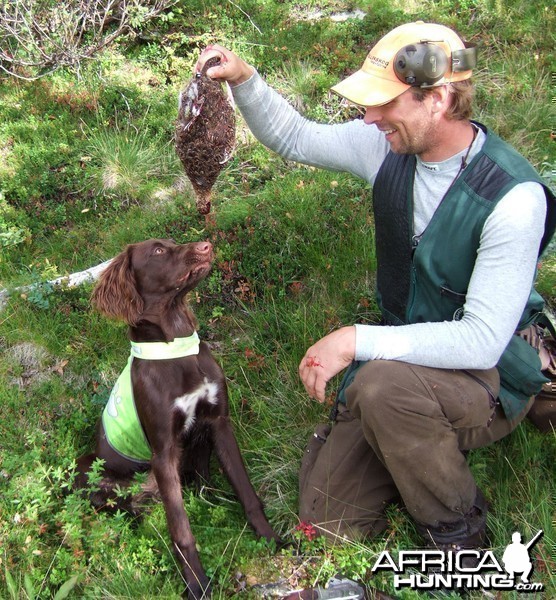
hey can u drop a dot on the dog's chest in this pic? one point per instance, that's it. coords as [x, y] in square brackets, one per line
[188, 404]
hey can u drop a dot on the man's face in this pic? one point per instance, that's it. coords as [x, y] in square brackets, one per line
[408, 124]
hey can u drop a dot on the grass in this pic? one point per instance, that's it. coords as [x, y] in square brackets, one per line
[294, 261]
[125, 162]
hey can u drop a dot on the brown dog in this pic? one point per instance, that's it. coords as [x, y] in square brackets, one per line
[179, 392]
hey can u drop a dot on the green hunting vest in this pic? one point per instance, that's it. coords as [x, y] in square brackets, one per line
[428, 282]
[120, 420]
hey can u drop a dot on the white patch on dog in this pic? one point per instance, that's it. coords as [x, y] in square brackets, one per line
[187, 403]
[113, 401]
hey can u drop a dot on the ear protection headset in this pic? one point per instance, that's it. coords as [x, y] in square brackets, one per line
[425, 63]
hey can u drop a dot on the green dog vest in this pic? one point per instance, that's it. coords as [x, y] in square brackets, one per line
[122, 427]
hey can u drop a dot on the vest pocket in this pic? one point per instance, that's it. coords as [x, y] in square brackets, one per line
[456, 298]
[451, 295]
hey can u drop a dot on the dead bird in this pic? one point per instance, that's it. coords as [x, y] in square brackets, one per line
[205, 133]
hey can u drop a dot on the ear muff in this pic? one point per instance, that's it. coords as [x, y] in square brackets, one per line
[425, 63]
[420, 64]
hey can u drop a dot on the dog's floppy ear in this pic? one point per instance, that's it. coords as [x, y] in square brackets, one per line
[116, 295]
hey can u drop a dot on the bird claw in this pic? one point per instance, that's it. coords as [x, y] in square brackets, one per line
[226, 158]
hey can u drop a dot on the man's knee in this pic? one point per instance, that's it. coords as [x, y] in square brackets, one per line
[344, 488]
[373, 391]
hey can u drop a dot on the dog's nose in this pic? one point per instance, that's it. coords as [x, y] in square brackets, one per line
[204, 247]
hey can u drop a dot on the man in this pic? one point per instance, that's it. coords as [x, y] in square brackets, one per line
[461, 219]
[516, 558]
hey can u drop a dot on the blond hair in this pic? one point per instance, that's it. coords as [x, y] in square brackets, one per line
[461, 95]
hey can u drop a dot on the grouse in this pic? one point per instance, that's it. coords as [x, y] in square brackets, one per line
[205, 133]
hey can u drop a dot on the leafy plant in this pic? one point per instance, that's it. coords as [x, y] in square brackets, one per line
[10, 233]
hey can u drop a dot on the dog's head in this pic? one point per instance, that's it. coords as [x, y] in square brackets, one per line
[154, 272]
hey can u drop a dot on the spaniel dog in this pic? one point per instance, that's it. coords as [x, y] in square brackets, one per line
[169, 408]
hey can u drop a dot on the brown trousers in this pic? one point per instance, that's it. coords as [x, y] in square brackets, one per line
[400, 438]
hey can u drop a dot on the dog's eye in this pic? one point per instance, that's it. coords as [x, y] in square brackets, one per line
[159, 250]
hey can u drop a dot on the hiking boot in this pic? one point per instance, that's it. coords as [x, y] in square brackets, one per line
[469, 533]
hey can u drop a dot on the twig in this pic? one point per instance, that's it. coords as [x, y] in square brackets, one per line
[37, 39]
[248, 16]
[66, 281]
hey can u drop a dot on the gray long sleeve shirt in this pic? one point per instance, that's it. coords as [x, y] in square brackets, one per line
[506, 259]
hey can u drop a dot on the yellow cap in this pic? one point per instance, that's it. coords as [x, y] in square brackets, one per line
[377, 83]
